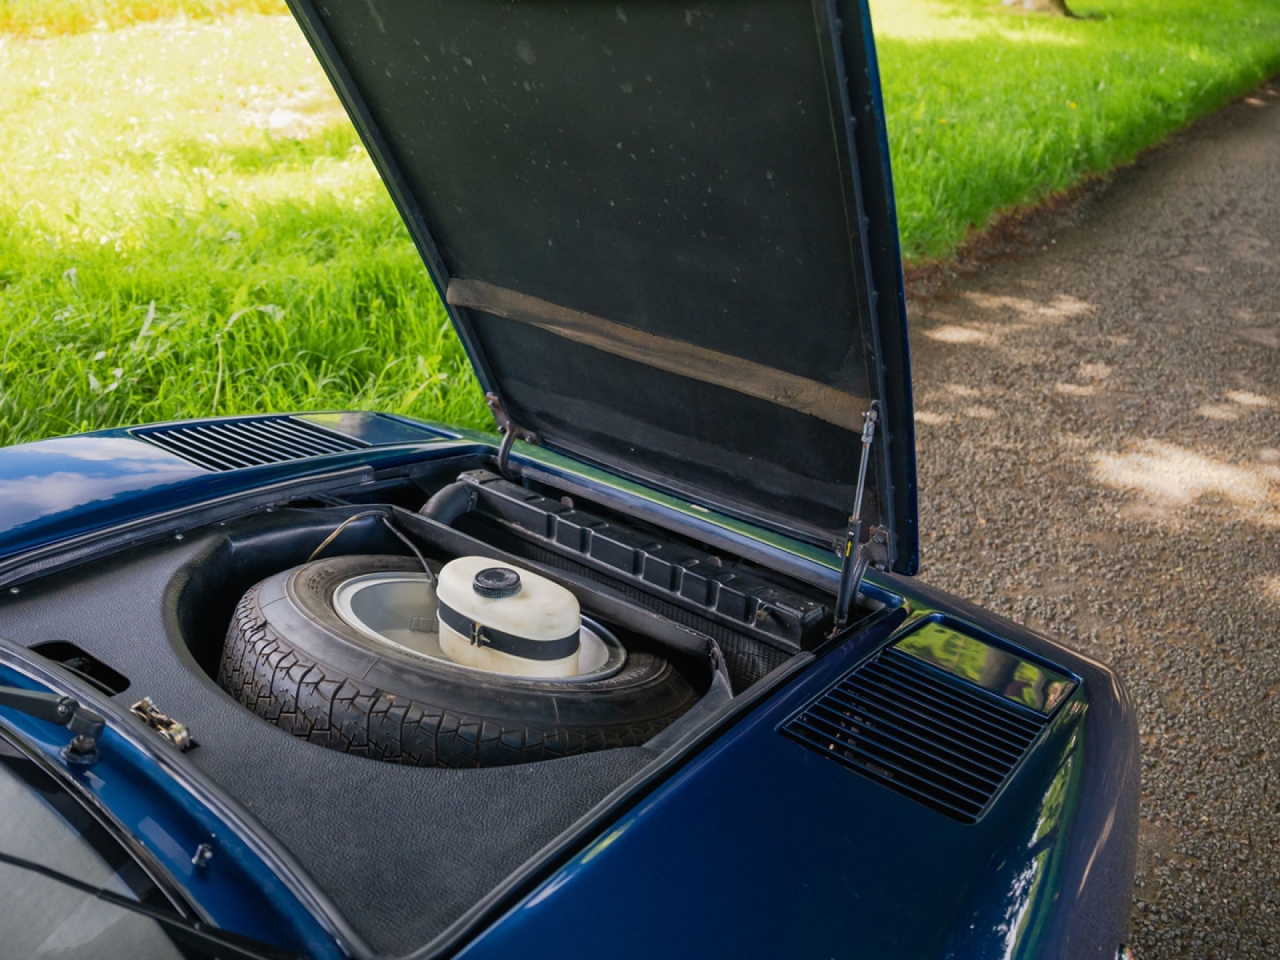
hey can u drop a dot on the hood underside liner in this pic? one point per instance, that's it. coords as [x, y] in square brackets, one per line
[666, 235]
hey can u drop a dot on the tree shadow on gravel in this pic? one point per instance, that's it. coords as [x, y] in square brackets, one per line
[1098, 422]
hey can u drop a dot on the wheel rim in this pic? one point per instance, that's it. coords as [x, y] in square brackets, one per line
[398, 608]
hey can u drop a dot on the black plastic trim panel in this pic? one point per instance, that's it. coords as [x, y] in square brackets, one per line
[688, 577]
[947, 744]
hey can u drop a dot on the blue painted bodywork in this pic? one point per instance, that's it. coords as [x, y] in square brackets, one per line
[756, 847]
[238, 889]
[762, 848]
[58, 489]
[53, 488]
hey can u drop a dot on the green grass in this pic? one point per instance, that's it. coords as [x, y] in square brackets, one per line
[989, 109]
[44, 18]
[189, 226]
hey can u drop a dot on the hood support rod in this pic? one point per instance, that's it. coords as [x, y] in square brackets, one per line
[64, 711]
[853, 562]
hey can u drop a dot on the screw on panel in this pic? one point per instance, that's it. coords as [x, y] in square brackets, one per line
[202, 856]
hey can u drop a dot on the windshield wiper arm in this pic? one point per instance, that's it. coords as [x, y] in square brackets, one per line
[232, 946]
[64, 711]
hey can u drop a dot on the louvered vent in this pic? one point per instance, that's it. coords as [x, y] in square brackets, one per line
[231, 444]
[899, 722]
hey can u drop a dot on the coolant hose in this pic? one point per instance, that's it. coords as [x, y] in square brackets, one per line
[449, 503]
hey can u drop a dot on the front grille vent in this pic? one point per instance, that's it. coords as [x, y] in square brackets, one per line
[251, 442]
[903, 724]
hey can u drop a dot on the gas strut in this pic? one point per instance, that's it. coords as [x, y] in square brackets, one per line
[65, 711]
[852, 562]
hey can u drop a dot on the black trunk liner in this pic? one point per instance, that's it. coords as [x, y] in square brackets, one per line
[402, 851]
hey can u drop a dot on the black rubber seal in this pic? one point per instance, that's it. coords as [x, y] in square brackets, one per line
[522, 647]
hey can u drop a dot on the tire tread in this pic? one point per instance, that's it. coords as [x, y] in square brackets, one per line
[269, 676]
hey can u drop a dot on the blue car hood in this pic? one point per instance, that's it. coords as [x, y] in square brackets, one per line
[665, 233]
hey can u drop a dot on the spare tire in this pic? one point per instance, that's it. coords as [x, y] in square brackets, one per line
[292, 659]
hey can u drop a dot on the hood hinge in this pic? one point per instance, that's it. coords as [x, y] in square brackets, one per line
[876, 548]
[511, 432]
[506, 426]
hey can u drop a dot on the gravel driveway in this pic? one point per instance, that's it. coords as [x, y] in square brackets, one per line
[1099, 435]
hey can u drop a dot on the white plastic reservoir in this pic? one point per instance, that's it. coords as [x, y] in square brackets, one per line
[497, 617]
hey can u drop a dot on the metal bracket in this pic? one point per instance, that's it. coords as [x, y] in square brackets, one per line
[876, 548]
[507, 426]
[511, 431]
[202, 856]
[64, 711]
[173, 731]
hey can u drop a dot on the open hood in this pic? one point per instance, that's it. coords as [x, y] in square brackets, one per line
[665, 233]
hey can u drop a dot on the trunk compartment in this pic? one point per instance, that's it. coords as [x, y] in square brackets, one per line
[406, 852]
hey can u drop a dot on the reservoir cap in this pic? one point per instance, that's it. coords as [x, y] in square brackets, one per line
[496, 582]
